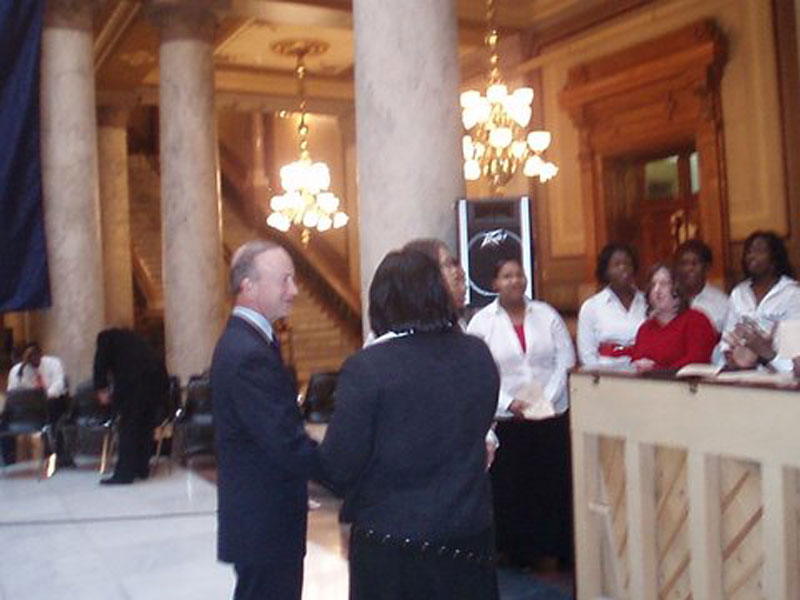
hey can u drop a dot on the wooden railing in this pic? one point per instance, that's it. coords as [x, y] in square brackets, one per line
[685, 489]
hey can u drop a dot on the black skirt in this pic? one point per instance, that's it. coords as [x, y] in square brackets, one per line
[388, 567]
[532, 489]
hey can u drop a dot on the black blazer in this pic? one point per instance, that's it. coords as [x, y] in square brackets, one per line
[138, 374]
[407, 440]
[264, 456]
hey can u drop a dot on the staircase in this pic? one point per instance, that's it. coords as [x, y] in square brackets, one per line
[316, 340]
[145, 207]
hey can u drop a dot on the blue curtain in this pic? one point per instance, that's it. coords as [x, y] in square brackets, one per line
[23, 252]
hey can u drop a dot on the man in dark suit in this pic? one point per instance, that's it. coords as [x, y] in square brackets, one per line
[264, 456]
[129, 374]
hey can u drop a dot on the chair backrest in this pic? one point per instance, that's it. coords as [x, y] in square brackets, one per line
[320, 396]
[86, 408]
[25, 410]
[198, 396]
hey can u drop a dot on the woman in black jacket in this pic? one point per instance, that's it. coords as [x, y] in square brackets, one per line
[406, 444]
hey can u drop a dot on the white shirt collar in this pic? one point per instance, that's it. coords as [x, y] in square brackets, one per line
[256, 319]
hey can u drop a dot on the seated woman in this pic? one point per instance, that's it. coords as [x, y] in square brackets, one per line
[768, 296]
[531, 472]
[674, 335]
[406, 443]
[609, 320]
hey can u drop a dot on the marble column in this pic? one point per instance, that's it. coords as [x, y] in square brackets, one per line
[408, 126]
[190, 196]
[69, 172]
[112, 143]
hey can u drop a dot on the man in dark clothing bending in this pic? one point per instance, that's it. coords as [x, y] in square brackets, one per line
[128, 374]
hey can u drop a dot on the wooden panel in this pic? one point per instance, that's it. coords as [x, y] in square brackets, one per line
[656, 95]
[684, 497]
[640, 492]
[704, 525]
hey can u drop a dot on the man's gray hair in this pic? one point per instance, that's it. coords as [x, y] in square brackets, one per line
[243, 260]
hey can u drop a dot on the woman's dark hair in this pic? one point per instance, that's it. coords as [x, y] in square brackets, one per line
[677, 289]
[502, 263]
[408, 293]
[605, 257]
[429, 246]
[777, 252]
[696, 247]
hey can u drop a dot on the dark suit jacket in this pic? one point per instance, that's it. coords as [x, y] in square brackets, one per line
[138, 374]
[406, 443]
[263, 454]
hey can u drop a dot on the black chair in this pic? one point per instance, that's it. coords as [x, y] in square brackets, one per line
[194, 423]
[320, 397]
[167, 413]
[88, 416]
[25, 413]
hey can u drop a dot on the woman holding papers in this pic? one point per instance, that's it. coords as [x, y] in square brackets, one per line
[674, 335]
[530, 476]
[406, 445]
[608, 321]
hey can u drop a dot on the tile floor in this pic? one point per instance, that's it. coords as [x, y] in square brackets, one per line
[69, 538]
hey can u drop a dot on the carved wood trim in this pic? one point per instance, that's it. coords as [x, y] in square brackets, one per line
[655, 96]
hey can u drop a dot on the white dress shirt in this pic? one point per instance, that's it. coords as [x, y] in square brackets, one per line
[782, 303]
[603, 319]
[713, 303]
[25, 376]
[547, 358]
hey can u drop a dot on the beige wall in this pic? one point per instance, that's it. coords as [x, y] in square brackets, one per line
[755, 176]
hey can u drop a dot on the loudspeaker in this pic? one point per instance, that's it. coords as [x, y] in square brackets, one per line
[490, 230]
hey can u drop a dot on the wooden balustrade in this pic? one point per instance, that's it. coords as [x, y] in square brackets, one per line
[685, 489]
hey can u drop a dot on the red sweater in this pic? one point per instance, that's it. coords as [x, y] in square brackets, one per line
[688, 338]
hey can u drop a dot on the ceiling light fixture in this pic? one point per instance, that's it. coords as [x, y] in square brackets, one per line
[498, 142]
[306, 201]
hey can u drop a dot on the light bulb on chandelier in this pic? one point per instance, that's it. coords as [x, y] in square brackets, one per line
[306, 201]
[497, 142]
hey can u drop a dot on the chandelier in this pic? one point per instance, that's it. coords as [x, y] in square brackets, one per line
[497, 142]
[306, 201]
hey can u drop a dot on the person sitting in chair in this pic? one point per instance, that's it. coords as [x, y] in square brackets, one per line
[40, 371]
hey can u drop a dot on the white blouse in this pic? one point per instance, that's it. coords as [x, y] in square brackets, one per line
[604, 319]
[715, 304]
[782, 303]
[546, 360]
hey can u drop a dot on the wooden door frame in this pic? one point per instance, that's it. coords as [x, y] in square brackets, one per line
[653, 95]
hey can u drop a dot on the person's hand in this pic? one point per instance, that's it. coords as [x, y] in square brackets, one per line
[741, 357]
[518, 407]
[644, 364]
[750, 335]
[491, 450]
[103, 397]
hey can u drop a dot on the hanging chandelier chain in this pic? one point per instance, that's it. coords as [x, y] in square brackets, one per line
[302, 128]
[492, 40]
